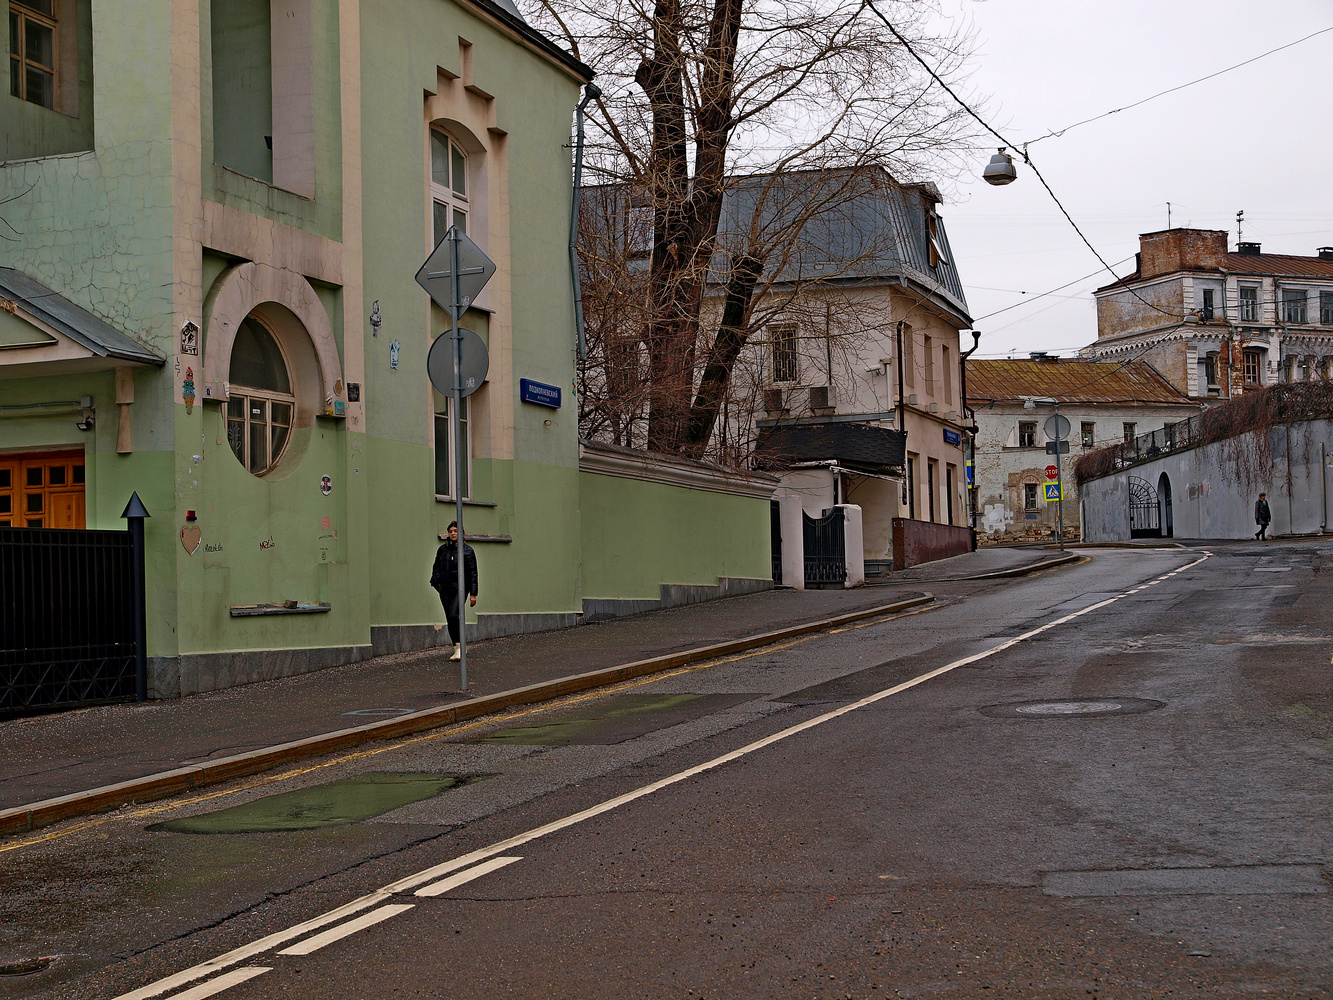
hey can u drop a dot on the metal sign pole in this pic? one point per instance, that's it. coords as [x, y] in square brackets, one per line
[457, 299]
[1059, 483]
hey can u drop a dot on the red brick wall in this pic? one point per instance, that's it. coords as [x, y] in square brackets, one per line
[1181, 250]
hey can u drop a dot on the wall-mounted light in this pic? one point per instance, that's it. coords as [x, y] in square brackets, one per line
[86, 424]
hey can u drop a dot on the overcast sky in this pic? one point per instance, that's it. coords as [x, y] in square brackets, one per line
[1258, 138]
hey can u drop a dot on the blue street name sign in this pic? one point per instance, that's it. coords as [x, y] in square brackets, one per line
[952, 437]
[539, 393]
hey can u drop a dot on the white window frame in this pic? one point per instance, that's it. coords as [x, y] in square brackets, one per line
[1295, 306]
[245, 394]
[1249, 303]
[447, 194]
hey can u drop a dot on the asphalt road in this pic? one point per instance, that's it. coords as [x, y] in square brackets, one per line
[1107, 780]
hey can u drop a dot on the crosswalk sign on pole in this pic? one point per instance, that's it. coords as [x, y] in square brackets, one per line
[1052, 492]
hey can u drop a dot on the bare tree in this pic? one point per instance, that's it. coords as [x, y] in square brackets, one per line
[786, 104]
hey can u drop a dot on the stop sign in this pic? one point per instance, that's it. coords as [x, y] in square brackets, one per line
[1052, 472]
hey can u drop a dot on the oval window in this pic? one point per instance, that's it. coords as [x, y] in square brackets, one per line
[260, 405]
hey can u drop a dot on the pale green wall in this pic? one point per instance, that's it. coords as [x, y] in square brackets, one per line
[240, 184]
[638, 536]
[27, 129]
[536, 494]
[240, 42]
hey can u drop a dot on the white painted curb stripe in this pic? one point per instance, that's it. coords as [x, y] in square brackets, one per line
[485, 853]
[223, 982]
[344, 930]
[462, 878]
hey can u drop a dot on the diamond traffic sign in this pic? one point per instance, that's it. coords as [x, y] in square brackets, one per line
[440, 362]
[474, 270]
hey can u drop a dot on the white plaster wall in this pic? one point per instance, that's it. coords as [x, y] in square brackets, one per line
[1210, 495]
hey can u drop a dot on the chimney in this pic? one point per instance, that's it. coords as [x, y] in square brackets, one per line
[1248, 249]
[1326, 253]
[1044, 357]
[1181, 250]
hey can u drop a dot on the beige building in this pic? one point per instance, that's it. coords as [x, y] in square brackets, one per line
[1104, 403]
[1215, 321]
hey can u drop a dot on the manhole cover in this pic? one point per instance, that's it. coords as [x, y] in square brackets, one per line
[1088, 708]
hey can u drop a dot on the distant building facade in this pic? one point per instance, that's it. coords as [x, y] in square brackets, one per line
[1103, 402]
[1216, 322]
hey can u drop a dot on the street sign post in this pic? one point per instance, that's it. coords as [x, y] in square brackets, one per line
[1057, 447]
[440, 362]
[1052, 472]
[454, 275]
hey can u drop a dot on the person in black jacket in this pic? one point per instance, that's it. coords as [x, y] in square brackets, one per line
[1262, 515]
[444, 578]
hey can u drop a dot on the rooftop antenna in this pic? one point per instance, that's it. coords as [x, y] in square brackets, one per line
[1240, 217]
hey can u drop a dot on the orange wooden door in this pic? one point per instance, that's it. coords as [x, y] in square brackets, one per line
[43, 490]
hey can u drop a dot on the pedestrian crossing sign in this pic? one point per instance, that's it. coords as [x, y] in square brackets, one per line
[1052, 492]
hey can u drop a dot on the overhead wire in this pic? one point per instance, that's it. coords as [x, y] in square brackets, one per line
[1022, 152]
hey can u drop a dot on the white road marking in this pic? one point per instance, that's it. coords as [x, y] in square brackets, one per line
[223, 982]
[344, 930]
[485, 853]
[462, 878]
[254, 948]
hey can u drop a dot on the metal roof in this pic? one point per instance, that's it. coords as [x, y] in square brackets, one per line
[1009, 381]
[1257, 264]
[874, 449]
[75, 322]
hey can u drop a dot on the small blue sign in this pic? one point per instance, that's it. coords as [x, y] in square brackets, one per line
[952, 437]
[539, 393]
[1052, 491]
[970, 483]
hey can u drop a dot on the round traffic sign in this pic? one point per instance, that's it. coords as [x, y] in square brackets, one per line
[440, 362]
[1057, 427]
[1052, 472]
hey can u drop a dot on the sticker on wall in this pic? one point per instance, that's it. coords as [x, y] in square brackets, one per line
[394, 348]
[376, 320]
[325, 485]
[191, 536]
[353, 392]
[190, 339]
[338, 387]
[187, 390]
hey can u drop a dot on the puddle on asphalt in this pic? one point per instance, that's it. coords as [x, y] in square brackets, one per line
[337, 803]
[615, 720]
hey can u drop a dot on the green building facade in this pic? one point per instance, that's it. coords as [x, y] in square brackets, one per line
[213, 215]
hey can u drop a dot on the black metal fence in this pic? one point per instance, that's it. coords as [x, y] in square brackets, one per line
[825, 549]
[67, 618]
[1173, 437]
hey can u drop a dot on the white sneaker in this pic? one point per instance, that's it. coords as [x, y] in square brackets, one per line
[458, 653]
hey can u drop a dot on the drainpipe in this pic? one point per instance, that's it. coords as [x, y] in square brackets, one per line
[971, 430]
[902, 414]
[590, 93]
[1323, 491]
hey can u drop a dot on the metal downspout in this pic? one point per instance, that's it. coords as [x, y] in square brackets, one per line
[590, 93]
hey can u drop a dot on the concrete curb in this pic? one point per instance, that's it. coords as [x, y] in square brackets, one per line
[1063, 560]
[20, 819]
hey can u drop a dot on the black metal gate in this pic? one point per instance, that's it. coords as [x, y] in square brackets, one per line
[825, 549]
[1145, 515]
[67, 618]
[775, 522]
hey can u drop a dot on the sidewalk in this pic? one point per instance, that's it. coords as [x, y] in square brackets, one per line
[62, 754]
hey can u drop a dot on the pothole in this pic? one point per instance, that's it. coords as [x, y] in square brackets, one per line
[1069, 708]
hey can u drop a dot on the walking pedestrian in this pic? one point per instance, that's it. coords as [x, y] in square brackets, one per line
[444, 578]
[1262, 515]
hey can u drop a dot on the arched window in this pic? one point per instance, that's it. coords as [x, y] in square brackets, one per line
[260, 403]
[448, 184]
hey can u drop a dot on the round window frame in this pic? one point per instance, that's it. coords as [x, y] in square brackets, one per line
[270, 396]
